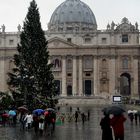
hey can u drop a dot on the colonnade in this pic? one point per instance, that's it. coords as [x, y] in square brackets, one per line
[78, 77]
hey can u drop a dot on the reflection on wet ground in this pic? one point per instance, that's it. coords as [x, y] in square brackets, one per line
[70, 130]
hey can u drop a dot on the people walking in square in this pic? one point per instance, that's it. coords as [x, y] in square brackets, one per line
[36, 123]
[106, 128]
[117, 123]
[76, 116]
[88, 115]
[136, 118]
[83, 117]
[131, 117]
[29, 120]
[70, 109]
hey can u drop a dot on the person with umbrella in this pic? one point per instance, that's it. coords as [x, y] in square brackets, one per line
[5, 117]
[28, 119]
[38, 112]
[22, 109]
[106, 127]
[117, 120]
[22, 120]
[117, 123]
[12, 117]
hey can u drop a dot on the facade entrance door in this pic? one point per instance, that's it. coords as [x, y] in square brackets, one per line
[87, 87]
[69, 90]
[57, 83]
[125, 84]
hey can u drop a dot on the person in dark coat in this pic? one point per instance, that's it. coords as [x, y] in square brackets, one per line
[88, 115]
[106, 128]
[117, 123]
[83, 117]
[136, 118]
[76, 116]
[36, 123]
[131, 117]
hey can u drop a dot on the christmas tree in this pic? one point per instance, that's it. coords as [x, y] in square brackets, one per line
[32, 78]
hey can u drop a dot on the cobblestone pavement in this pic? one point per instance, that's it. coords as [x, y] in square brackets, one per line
[71, 130]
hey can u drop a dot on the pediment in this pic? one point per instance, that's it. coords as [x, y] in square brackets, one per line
[126, 26]
[60, 43]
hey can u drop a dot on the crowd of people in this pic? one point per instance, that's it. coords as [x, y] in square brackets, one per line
[115, 122]
[112, 125]
[41, 122]
[44, 121]
[73, 116]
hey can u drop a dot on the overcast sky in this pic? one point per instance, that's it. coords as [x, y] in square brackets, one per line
[13, 12]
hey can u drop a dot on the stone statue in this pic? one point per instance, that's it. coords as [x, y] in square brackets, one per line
[136, 25]
[3, 28]
[125, 20]
[108, 26]
[19, 27]
[112, 25]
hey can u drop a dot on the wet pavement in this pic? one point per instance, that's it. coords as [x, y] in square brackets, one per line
[70, 130]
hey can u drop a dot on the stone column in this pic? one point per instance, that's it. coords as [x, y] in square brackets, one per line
[112, 38]
[80, 77]
[112, 75]
[135, 81]
[74, 76]
[96, 79]
[64, 76]
[49, 61]
[2, 74]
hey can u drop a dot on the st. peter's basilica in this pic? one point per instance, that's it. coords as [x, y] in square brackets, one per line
[87, 61]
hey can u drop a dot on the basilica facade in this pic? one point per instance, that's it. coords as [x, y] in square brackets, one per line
[87, 61]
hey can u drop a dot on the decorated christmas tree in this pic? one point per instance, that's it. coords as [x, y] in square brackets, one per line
[32, 78]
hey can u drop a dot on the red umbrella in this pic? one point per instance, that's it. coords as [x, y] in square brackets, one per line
[5, 115]
[46, 113]
[22, 109]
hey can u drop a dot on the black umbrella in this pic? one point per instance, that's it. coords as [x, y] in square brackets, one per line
[113, 109]
[22, 109]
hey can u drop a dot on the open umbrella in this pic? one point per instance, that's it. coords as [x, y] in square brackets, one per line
[6, 115]
[130, 111]
[12, 113]
[50, 109]
[46, 113]
[22, 109]
[135, 111]
[113, 109]
[38, 111]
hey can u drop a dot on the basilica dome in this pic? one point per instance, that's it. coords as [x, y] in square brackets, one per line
[72, 15]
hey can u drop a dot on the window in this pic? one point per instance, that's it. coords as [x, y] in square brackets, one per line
[87, 40]
[69, 40]
[57, 63]
[88, 62]
[69, 28]
[88, 74]
[11, 42]
[104, 40]
[69, 74]
[60, 29]
[124, 38]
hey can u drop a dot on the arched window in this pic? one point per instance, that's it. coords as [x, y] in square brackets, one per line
[57, 63]
[88, 64]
